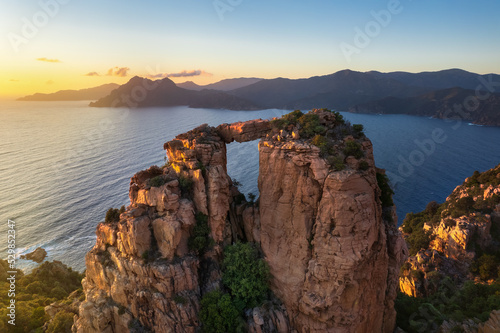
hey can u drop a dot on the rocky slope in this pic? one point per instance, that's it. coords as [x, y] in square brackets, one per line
[332, 249]
[455, 245]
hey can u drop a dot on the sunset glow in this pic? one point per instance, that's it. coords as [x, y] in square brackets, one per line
[54, 44]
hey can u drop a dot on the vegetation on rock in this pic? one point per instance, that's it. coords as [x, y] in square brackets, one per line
[113, 214]
[50, 282]
[157, 181]
[219, 314]
[327, 135]
[200, 237]
[450, 302]
[454, 293]
[245, 274]
[186, 184]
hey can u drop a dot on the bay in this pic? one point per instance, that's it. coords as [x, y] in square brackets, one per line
[63, 164]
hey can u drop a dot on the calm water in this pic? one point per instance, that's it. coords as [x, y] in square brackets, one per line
[64, 164]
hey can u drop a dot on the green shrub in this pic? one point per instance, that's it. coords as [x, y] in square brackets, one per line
[186, 184]
[51, 282]
[358, 130]
[450, 302]
[339, 119]
[486, 266]
[61, 323]
[218, 314]
[245, 274]
[418, 240]
[251, 198]
[319, 141]
[112, 215]
[337, 162]
[288, 119]
[310, 125]
[432, 208]
[353, 148]
[58, 292]
[363, 165]
[157, 181]
[292, 117]
[199, 240]
[465, 204]
[386, 190]
[325, 145]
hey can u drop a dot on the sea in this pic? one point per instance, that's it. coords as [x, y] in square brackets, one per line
[64, 164]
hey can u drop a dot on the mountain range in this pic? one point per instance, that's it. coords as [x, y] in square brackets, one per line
[224, 85]
[88, 94]
[433, 94]
[452, 103]
[142, 92]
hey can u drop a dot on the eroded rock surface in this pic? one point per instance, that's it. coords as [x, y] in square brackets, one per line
[333, 258]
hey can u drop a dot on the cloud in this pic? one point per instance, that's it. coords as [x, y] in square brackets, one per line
[92, 74]
[118, 71]
[49, 82]
[183, 73]
[48, 60]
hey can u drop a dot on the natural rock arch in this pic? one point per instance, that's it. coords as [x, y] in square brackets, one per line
[334, 260]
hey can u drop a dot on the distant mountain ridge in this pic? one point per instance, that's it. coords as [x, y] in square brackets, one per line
[164, 92]
[426, 93]
[438, 104]
[223, 85]
[73, 95]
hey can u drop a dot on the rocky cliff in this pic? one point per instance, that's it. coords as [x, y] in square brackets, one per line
[455, 259]
[332, 249]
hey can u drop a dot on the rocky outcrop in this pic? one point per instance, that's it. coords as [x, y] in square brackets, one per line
[37, 256]
[319, 222]
[458, 243]
[325, 241]
[457, 230]
[492, 325]
[452, 237]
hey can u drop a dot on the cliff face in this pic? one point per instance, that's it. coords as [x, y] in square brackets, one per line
[326, 243]
[458, 232]
[454, 266]
[333, 259]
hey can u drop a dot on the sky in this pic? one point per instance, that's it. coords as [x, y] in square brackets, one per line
[49, 45]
